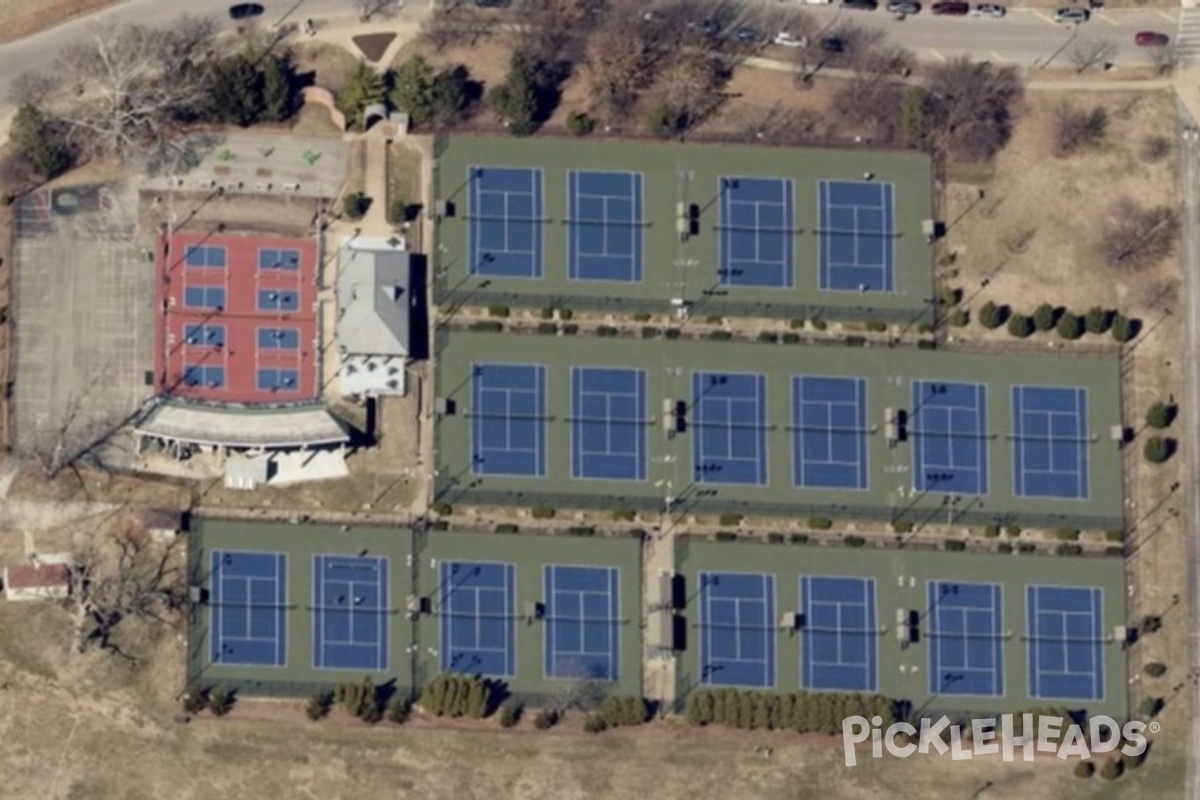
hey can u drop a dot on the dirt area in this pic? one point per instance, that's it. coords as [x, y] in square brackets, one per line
[327, 64]
[373, 45]
[20, 18]
[405, 186]
[282, 214]
[314, 120]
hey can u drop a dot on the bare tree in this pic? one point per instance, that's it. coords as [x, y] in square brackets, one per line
[452, 26]
[619, 59]
[369, 8]
[971, 107]
[695, 85]
[555, 30]
[33, 88]
[131, 85]
[871, 97]
[1087, 53]
[125, 575]
[1133, 238]
[1077, 129]
[1163, 57]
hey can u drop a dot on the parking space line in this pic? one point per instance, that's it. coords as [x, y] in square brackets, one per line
[1106, 18]
[1166, 16]
[1044, 18]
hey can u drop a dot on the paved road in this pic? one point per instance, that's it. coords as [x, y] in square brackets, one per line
[1023, 37]
[1189, 151]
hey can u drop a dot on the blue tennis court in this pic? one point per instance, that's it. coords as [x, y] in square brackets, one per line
[729, 415]
[505, 221]
[350, 612]
[949, 427]
[508, 420]
[608, 424]
[756, 232]
[965, 625]
[1050, 451]
[248, 599]
[606, 226]
[829, 440]
[840, 635]
[858, 240]
[1066, 642]
[737, 629]
[478, 618]
[582, 622]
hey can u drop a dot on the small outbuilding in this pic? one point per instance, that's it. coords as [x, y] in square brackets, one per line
[37, 581]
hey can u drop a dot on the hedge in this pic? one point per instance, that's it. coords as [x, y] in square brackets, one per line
[624, 515]
[508, 527]
[855, 341]
[460, 696]
[819, 324]
[853, 541]
[902, 526]
[1004, 547]
[790, 338]
[798, 538]
[441, 509]
[875, 326]
[488, 325]
[1044, 317]
[726, 536]
[954, 545]
[641, 316]
[1098, 320]
[1068, 549]
[991, 531]
[803, 712]
[1124, 329]
[542, 512]
[606, 331]
[1067, 534]
[768, 337]
[570, 330]
[820, 523]
[672, 333]
[498, 311]
[546, 328]
[796, 324]
[728, 520]
[650, 332]
[720, 336]
[581, 530]
[627, 711]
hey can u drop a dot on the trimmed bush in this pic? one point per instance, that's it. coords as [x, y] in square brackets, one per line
[1068, 549]
[1111, 769]
[796, 324]
[902, 526]
[594, 723]
[546, 328]
[799, 712]
[641, 316]
[498, 311]
[672, 333]
[441, 509]
[542, 512]
[1067, 534]
[1155, 669]
[775, 538]
[570, 329]
[355, 205]
[510, 714]
[1004, 548]
[545, 719]
[855, 341]
[459, 696]
[508, 527]
[730, 520]
[1069, 326]
[1026, 547]
[650, 332]
[1084, 769]
[606, 331]
[1098, 320]
[1151, 623]
[768, 337]
[954, 545]
[720, 336]
[1158, 449]
[1114, 536]
[959, 318]
[1151, 706]
[798, 538]
[624, 515]
[790, 338]
[487, 325]
[318, 705]
[1124, 329]
[547, 313]
[581, 530]
[820, 523]
[1020, 326]
[565, 314]
[819, 324]
[991, 531]
[853, 541]
[1044, 317]
[580, 124]
[726, 536]
[875, 326]
[360, 699]
[398, 710]
[1012, 530]
[1161, 415]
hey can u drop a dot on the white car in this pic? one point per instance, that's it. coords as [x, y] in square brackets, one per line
[818, 2]
[988, 10]
[785, 39]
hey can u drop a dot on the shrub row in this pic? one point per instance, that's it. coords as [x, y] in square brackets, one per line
[460, 696]
[802, 712]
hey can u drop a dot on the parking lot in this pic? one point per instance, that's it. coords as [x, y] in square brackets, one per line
[83, 324]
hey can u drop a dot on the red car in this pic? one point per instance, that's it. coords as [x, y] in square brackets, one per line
[1151, 39]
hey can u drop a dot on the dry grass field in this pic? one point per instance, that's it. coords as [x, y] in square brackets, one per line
[20, 18]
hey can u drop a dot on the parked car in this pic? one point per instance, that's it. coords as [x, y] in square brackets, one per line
[818, 2]
[951, 8]
[493, 3]
[906, 7]
[245, 11]
[706, 26]
[1076, 15]
[747, 35]
[988, 10]
[832, 44]
[785, 39]
[1151, 39]
[860, 5]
